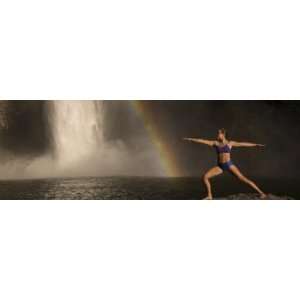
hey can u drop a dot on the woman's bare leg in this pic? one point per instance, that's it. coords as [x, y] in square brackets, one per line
[208, 175]
[235, 171]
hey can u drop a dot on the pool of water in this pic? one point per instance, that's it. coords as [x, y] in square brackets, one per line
[135, 188]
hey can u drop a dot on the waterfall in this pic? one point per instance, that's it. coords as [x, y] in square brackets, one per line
[76, 145]
[77, 131]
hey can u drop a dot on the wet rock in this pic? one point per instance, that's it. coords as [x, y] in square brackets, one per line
[243, 196]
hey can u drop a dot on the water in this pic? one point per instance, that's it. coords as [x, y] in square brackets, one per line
[77, 129]
[80, 148]
[134, 188]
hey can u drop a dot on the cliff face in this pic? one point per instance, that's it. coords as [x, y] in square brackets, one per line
[23, 127]
[3, 115]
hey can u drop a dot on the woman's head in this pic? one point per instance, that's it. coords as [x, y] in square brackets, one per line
[222, 134]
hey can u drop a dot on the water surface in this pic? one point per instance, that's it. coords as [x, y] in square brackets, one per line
[135, 188]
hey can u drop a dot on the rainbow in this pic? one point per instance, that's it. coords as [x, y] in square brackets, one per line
[166, 153]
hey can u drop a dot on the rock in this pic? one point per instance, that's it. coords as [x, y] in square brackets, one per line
[243, 196]
[3, 114]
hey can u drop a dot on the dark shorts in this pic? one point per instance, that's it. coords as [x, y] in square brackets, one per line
[225, 166]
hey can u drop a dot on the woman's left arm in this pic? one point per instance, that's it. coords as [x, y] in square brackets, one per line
[245, 144]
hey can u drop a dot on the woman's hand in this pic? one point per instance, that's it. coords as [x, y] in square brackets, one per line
[260, 145]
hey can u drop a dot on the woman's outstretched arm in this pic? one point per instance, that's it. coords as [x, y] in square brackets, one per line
[241, 144]
[201, 141]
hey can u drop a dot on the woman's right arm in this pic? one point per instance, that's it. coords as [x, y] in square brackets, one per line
[201, 141]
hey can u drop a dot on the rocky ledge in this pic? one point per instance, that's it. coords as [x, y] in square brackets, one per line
[243, 196]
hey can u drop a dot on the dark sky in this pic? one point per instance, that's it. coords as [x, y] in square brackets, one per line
[25, 131]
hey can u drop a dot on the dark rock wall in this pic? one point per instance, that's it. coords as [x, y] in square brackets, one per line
[23, 127]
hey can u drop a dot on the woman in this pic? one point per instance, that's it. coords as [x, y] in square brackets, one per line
[223, 148]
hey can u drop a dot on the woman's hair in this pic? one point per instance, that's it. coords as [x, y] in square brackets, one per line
[223, 131]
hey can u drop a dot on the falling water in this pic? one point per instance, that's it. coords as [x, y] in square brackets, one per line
[77, 129]
[80, 147]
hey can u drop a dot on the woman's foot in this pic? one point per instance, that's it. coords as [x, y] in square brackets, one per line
[263, 196]
[208, 198]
